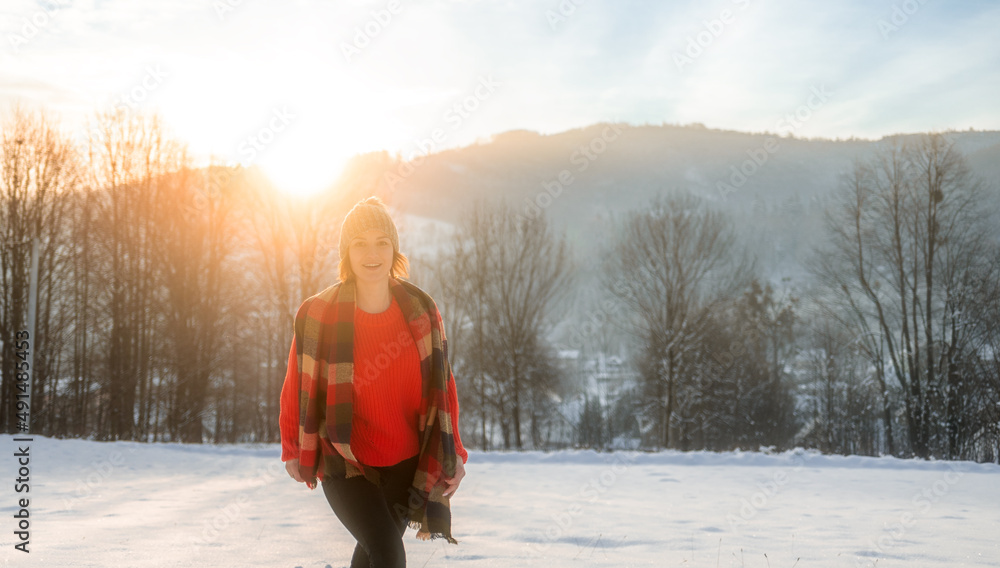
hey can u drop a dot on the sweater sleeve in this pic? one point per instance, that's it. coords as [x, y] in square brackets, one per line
[452, 398]
[288, 417]
[453, 407]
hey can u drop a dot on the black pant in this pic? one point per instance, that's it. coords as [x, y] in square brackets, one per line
[372, 513]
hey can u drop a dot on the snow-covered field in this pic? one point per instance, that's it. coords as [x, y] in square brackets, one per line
[128, 504]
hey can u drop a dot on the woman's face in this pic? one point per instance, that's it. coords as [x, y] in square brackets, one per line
[371, 256]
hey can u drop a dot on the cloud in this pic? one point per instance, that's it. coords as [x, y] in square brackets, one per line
[598, 60]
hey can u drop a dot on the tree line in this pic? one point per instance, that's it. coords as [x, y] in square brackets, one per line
[168, 288]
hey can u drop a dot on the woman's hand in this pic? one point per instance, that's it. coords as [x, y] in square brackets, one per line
[454, 481]
[292, 467]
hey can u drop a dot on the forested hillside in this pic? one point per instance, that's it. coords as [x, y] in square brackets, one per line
[617, 285]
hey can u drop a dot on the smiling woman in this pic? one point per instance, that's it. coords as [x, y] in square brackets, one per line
[371, 256]
[379, 431]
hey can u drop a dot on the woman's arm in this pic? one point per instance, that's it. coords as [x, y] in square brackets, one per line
[453, 408]
[452, 393]
[288, 418]
[453, 483]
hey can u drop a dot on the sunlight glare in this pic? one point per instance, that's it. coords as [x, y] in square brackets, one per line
[306, 167]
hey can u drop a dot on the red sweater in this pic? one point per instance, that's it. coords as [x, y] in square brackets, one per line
[387, 391]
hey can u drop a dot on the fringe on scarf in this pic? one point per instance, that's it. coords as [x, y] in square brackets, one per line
[418, 526]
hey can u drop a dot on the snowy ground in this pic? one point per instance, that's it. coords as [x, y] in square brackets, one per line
[128, 504]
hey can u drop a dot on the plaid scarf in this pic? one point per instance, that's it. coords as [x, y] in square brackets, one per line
[324, 339]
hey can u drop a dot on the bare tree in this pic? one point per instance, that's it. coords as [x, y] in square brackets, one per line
[841, 407]
[200, 285]
[463, 278]
[38, 170]
[910, 224]
[507, 272]
[674, 262]
[973, 426]
[128, 154]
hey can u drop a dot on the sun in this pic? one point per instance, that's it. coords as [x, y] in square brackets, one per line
[306, 168]
[300, 123]
[299, 154]
[304, 148]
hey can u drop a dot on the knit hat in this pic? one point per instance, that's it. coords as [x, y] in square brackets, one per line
[369, 213]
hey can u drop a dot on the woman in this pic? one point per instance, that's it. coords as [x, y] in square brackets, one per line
[369, 403]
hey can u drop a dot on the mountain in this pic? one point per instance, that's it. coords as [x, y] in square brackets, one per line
[777, 199]
[778, 210]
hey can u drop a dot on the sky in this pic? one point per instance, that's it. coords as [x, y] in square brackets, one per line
[298, 87]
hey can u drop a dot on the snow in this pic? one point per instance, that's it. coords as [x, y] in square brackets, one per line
[163, 505]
